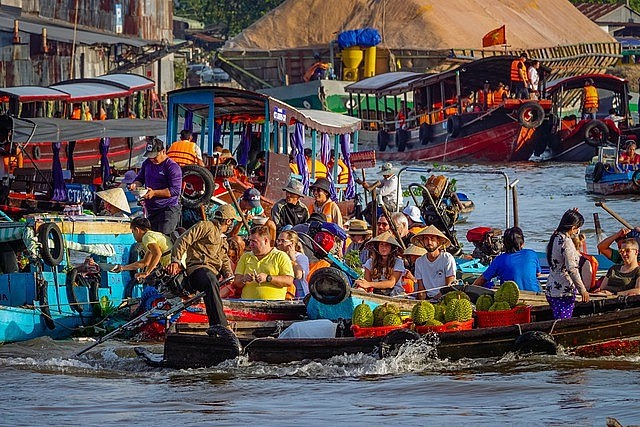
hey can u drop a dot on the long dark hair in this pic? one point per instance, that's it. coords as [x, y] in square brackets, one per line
[571, 218]
[513, 240]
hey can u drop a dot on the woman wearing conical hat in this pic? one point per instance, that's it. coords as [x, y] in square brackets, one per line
[115, 202]
[383, 270]
[437, 268]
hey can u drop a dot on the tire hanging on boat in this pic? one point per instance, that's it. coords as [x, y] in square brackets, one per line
[329, 286]
[198, 186]
[535, 342]
[635, 179]
[424, 134]
[595, 133]
[530, 115]
[35, 152]
[598, 171]
[391, 343]
[453, 126]
[383, 140]
[74, 280]
[43, 299]
[52, 243]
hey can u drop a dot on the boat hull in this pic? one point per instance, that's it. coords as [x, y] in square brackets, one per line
[610, 183]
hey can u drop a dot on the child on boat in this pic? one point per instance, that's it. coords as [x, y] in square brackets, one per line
[384, 269]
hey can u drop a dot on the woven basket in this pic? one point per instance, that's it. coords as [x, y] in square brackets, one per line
[493, 319]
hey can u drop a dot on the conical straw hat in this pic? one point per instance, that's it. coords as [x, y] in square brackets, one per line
[385, 237]
[415, 250]
[115, 197]
[431, 231]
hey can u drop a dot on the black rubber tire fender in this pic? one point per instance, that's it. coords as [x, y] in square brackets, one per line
[224, 171]
[43, 299]
[74, 280]
[530, 115]
[201, 193]
[535, 342]
[425, 134]
[391, 343]
[36, 153]
[453, 126]
[598, 171]
[635, 179]
[329, 286]
[225, 337]
[51, 255]
[595, 133]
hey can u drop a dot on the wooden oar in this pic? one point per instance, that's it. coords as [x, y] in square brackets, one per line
[614, 215]
[227, 186]
[392, 224]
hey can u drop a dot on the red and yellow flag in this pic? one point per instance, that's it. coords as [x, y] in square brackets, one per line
[494, 37]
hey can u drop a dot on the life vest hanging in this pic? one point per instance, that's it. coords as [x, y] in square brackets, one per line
[594, 268]
[515, 71]
[590, 97]
[183, 153]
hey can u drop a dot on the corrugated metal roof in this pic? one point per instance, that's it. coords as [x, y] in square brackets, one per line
[379, 83]
[33, 93]
[132, 82]
[90, 91]
[65, 34]
[595, 11]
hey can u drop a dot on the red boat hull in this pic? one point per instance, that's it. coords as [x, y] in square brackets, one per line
[503, 143]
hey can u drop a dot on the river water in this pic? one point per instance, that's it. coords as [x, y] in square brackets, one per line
[43, 384]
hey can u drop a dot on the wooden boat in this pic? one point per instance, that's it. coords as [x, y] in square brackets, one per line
[593, 323]
[606, 176]
[566, 137]
[41, 293]
[443, 127]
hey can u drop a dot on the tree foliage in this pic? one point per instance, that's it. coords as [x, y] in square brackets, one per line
[232, 16]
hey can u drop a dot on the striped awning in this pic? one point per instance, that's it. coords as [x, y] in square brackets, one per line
[10, 232]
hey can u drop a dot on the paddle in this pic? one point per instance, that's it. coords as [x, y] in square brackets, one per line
[227, 186]
[392, 224]
[614, 215]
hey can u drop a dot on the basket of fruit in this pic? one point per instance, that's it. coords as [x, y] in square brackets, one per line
[503, 308]
[453, 313]
[378, 322]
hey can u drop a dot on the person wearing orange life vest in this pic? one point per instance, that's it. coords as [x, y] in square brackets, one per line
[500, 94]
[588, 264]
[76, 114]
[321, 169]
[321, 191]
[519, 78]
[343, 171]
[185, 151]
[589, 100]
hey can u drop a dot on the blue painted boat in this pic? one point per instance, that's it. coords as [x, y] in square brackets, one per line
[606, 176]
[37, 296]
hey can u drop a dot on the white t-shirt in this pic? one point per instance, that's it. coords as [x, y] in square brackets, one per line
[433, 274]
[389, 190]
[397, 288]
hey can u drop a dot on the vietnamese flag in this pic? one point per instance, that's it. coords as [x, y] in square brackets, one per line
[494, 37]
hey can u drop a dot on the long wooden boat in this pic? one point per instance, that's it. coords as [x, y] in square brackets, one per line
[594, 323]
[568, 138]
[441, 127]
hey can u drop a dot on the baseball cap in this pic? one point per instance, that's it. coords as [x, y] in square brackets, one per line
[154, 146]
[252, 196]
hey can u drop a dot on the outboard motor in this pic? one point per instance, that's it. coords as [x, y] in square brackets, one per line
[487, 242]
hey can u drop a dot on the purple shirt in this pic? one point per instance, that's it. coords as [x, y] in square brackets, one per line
[165, 175]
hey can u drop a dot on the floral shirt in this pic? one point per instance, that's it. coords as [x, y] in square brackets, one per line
[564, 273]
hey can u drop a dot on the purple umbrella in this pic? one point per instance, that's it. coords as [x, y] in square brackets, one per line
[103, 147]
[59, 189]
[350, 191]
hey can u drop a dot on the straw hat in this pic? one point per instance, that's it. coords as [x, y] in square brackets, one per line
[430, 231]
[115, 197]
[358, 226]
[385, 237]
[415, 250]
[388, 169]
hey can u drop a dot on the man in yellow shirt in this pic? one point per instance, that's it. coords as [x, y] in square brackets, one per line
[157, 248]
[264, 273]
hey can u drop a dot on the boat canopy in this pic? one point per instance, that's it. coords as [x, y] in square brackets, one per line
[55, 129]
[601, 81]
[385, 84]
[473, 75]
[32, 94]
[242, 106]
[132, 82]
[86, 90]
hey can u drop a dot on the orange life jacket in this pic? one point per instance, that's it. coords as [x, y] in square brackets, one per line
[516, 64]
[76, 114]
[12, 162]
[326, 210]
[498, 95]
[321, 169]
[183, 153]
[590, 97]
[594, 269]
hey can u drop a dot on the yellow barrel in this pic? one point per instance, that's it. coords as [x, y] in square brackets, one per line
[351, 59]
[369, 62]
